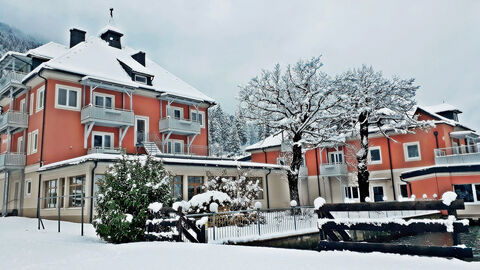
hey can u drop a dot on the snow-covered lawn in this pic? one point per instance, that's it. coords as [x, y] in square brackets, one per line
[23, 247]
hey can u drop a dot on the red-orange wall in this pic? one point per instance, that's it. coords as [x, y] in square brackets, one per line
[440, 184]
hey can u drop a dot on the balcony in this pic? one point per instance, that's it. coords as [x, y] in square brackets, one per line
[333, 169]
[11, 80]
[13, 120]
[458, 154]
[107, 150]
[179, 126]
[10, 161]
[107, 117]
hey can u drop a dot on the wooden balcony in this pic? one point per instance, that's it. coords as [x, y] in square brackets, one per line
[13, 120]
[333, 169]
[9, 161]
[11, 80]
[179, 126]
[107, 117]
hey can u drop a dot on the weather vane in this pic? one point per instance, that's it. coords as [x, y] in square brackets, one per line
[111, 13]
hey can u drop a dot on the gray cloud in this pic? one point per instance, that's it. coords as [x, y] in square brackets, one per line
[216, 45]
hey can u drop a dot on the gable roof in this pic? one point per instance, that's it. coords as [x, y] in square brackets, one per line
[271, 141]
[436, 116]
[444, 107]
[48, 51]
[96, 59]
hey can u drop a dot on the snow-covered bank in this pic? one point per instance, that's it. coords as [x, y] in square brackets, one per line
[23, 247]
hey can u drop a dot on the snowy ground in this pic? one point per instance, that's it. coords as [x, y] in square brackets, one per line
[23, 247]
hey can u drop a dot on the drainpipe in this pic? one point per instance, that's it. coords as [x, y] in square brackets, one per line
[435, 133]
[391, 168]
[318, 171]
[265, 154]
[41, 145]
[266, 186]
[92, 183]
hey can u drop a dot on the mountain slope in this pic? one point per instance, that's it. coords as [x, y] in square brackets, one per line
[12, 39]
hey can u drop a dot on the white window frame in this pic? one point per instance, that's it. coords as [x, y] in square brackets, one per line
[34, 142]
[68, 88]
[19, 144]
[140, 76]
[103, 134]
[351, 192]
[372, 194]
[336, 153]
[476, 201]
[400, 189]
[172, 110]
[147, 128]
[173, 141]
[22, 104]
[28, 182]
[202, 114]
[370, 156]
[32, 100]
[40, 97]
[97, 94]
[405, 151]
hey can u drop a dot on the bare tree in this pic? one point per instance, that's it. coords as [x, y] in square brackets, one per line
[372, 102]
[297, 101]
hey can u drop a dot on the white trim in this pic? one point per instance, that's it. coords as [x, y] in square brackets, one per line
[173, 141]
[23, 108]
[370, 156]
[172, 110]
[202, 113]
[34, 141]
[32, 97]
[28, 181]
[405, 151]
[68, 88]
[112, 136]
[29, 143]
[140, 76]
[40, 93]
[147, 128]
[336, 153]
[372, 194]
[95, 94]
[19, 144]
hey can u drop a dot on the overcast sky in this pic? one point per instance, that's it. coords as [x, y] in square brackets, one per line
[217, 45]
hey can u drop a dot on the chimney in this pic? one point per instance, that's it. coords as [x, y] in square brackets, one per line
[76, 36]
[139, 57]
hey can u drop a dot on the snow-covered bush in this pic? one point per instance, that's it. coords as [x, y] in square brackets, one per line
[201, 203]
[130, 186]
[242, 190]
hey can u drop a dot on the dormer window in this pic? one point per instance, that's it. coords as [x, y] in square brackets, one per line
[140, 79]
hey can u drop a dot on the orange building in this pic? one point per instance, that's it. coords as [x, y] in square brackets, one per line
[425, 163]
[68, 112]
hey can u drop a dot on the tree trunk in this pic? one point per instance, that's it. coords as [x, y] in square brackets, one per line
[292, 174]
[362, 154]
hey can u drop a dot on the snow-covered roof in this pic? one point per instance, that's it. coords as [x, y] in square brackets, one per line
[110, 27]
[444, 107]
[95, 58]
[463, 134]
[49, 50]
[270, 141]
[166, 160]
[448, 121]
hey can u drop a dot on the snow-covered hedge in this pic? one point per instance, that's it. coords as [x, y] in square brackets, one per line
[201, 203]
[131, 186]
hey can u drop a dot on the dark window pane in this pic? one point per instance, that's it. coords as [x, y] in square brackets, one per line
[404, 191]
[72, 98]
[378, 194]
[477, 191]
[194, 117]
[99, 101]
[464, 192]
[375, 155]
[107, 143]
[412, 151]
[62, 97]
[108, 102]
[176, 114]
[178, 148]
[355, 192]
[178, 187]
[97, 140]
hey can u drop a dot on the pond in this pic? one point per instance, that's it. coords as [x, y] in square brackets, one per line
[308, 242]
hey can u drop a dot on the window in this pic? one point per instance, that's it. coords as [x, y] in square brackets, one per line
[32, 146]
[351, 192]
[412, 151]
[336, 157]
[404, 190]
[178, 187]
[378, 193]
[470, 193]
[260, 184]
[175, 147]
[28, 187]
[51, 193]
[141, 129]
[104, 100]
[198, 117]
[374, 155]
[32, 97]
[76, 190]
[102, 140]
[20, 144]
[40, 98]
[22, 105]
[194, 185]
[98, 178]
[67, 97]
[140, 78]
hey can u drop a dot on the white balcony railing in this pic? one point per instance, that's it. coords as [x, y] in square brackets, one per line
[11, 78]
[106, 116]
[458, 154]
[179, 125]
[13, 120]
[107, 150]
[333, 169]
[12, 160]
